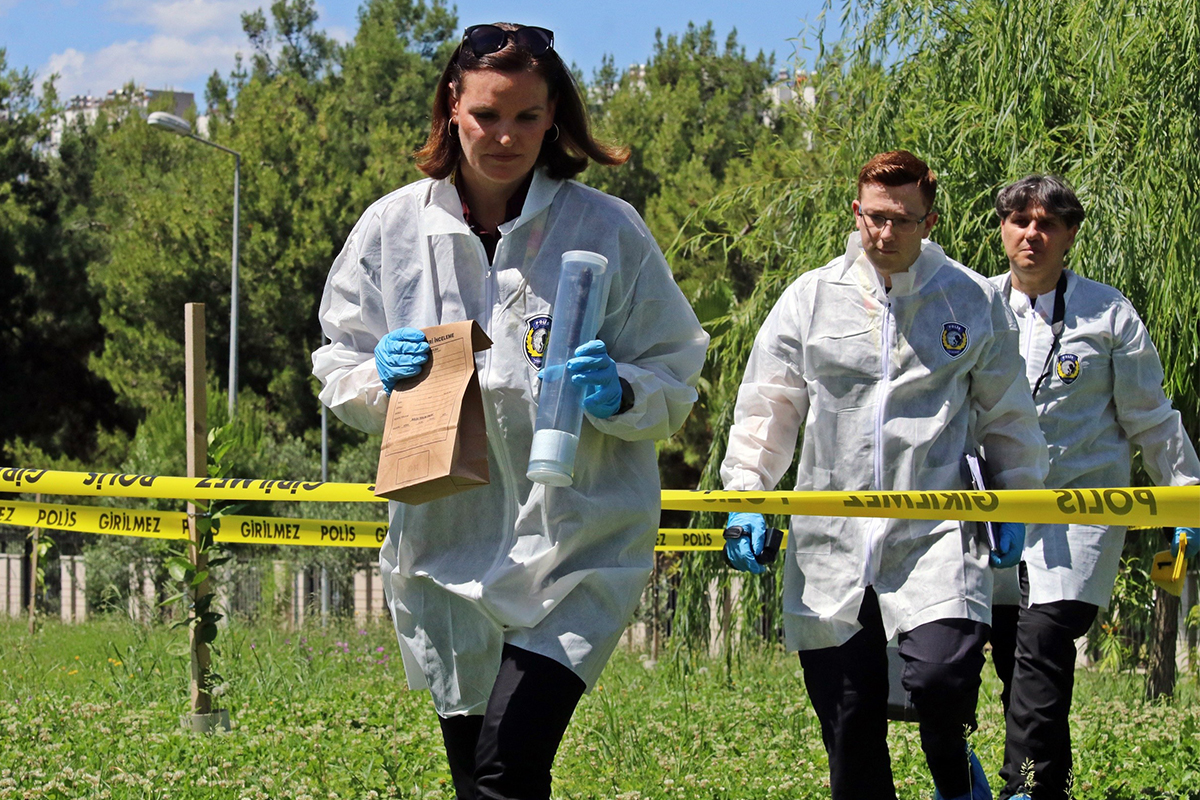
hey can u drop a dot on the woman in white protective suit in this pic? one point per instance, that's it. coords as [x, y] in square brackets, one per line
[508, 600]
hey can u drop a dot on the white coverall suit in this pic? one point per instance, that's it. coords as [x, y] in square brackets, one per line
[884, 384]
[556, 571]
[1103, 397]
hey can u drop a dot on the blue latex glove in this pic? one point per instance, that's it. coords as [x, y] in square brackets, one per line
[399, 355]
[1010, 543]
[593, 369]
[1193, 542]
[741, 552]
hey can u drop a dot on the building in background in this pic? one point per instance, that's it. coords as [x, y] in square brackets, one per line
[792, 89]
[87, 108]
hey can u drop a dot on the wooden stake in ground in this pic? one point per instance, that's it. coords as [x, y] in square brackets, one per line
[654, 610]
[33, 568]
[1160, 673]
[197, 466]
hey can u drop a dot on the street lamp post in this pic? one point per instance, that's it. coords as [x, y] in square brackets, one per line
[181, 127]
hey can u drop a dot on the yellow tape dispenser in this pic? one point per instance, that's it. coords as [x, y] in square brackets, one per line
[1169, 568]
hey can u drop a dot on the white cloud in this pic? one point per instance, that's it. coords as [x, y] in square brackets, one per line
[161, 62]
[188, 40]
[188, 18]
[68, 62]
[339, 33]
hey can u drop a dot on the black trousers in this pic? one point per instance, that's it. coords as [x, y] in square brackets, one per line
[1004, 637]
[1004, 648]
[848, 686]
[506, 753]
[1033, 649]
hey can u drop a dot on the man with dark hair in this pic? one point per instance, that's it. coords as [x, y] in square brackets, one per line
[885, 356]
[1097, 385]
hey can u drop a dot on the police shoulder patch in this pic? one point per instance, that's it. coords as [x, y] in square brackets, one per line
[537, 333]
[955, 338]
[1067, 366]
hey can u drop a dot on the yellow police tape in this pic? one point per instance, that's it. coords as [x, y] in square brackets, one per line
[269, 530]
[1154, 506]
[257, 530]
[101, 484]
[714, 539]
[692, 539]
[173, 525]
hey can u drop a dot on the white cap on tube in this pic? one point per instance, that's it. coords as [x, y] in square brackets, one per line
[552, 457]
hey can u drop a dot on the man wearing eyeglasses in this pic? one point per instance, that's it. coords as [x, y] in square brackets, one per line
[1097, 384]
[895, 360]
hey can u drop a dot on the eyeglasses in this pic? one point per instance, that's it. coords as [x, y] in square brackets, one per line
[484, 39]
[901, 225]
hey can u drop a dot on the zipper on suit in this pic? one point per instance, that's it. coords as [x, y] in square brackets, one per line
[1029, 334]
[490, 294]
[872, 540]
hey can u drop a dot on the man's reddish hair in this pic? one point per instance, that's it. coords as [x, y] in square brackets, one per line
[899, 168]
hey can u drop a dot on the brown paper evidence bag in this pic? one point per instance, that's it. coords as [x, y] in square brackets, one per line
[435, 437]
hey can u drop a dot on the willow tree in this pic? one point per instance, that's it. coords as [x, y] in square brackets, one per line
[323, 131]
[1106, 94]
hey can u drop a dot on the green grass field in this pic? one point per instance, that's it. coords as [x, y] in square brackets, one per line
[93, 711]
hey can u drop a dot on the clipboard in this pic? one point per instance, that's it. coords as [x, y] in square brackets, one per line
[979, 479]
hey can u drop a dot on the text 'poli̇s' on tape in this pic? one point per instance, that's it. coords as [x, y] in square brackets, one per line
[675, 539]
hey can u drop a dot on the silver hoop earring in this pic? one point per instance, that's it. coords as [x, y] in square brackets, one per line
[556, 132]
[449, 128]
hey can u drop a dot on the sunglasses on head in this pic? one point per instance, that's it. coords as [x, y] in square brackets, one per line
[484, 39]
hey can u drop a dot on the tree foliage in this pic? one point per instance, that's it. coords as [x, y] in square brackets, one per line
[692, 118]
[322, 132]
[291, 43]
[48, 314]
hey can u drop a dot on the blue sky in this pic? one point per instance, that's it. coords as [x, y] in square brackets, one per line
[97, 45]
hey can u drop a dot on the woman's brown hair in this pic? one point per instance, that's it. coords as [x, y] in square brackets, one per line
[564, 155]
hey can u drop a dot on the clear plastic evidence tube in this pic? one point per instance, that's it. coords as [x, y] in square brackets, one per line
[578, 304]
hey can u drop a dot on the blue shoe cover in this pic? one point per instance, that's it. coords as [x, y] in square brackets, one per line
[980, 790]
